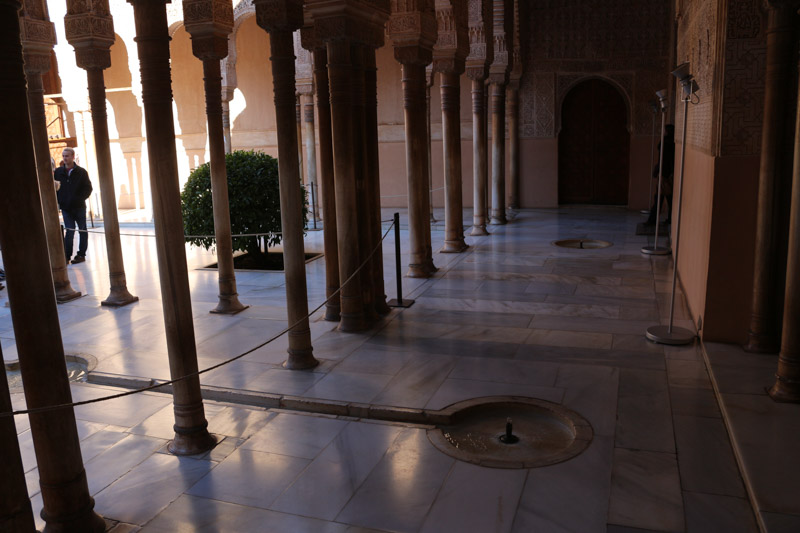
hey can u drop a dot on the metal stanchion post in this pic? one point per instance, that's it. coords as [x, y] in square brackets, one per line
[399, 302]
[654, 108]
[655, 249]
[670, 334]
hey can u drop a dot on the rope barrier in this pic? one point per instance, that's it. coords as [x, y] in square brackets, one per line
[37, 410]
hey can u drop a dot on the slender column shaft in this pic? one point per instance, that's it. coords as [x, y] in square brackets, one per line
[417, 170]
[65, 491]
[764, 334]
[787, 384]
[512, 112]
[479, 159]
[119, 294]
[498, 100]
[41, 146]
[226, 125]
[15, 506]
[340, 78]
[360, 164]
[430, 148]
[300, 350]
[373, 181]
[298, 112]
[229, 303]
[309, 142]
[451, 141]
[152, 39]
[327, 188]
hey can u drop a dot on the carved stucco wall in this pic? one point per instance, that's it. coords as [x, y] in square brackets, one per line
[623, 41]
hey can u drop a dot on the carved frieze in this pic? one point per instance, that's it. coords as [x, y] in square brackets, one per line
[503, 31]
[38, 36]
[452, 45]
[279, 15]
[516, 61]
[358, 21]
[481, 40]
[303, 66]
[90, 30]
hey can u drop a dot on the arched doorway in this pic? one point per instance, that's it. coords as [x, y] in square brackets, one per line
[593, 146]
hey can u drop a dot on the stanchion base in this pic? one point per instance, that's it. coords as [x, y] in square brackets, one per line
[405, 303]
[656, 250]
[644, 211]
[662, 335]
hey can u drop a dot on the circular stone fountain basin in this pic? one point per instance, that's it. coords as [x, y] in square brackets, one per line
[78, 368]
[546, 433]
[584, 244]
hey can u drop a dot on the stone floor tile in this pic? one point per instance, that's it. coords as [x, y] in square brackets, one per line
[422, 314]
[643, 413]
[142, 493]
[705, 457]
[235, 375]
[590, 356]
[645, 491]
[203, 515]
[570, 339]
[489, 334]
[239, 422]
[97, 442]
[636, 343]
[416, 382]
[296, 435]
[160, 424]
[474, 498]
[505, 371]
[711, 513]
[370, 360]
[348, 387]
[454, 347]
[592, 392]
[249, 477]
[329, 482]
[127, 411]
[456, 390]
[546, 503]
[694, 402]
[691, 374]
[781, 523]
[282, 381]
[398, 493]
[590, 324]
[118, 459]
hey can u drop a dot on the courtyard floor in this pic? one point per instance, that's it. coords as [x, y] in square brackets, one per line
[513, 315]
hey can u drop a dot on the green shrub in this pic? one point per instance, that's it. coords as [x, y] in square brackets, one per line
[253, 196]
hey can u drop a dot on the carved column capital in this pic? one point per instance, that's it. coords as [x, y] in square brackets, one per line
[303, 66]
[359, 21]
[38, 36]
[481, 40]
[503, 31]
[412, 30]
[209, 22]
[90, 30]
[452, 43]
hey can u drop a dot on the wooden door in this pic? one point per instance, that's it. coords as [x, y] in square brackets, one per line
[593, 146]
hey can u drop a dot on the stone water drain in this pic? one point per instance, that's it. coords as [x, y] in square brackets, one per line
[78, 368]
[586, 244]
[512, 432]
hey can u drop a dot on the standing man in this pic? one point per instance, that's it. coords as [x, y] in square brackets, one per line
[72, 194]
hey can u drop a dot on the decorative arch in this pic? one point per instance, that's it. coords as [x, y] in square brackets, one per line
[623, 83]
[243, 11]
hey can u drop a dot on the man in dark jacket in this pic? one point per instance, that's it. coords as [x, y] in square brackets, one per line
[666, 175]
[72, 194]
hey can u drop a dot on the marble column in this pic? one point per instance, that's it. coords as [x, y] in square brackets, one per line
[479, 146]
[152, 40]
[512, 115]
[765, 325]
[787, 383]
[429, 78]
[373, 181]
[15, 506]
[36, 51]
[118, 295]
[498, 104]
[62, 478]
[310, 145]
[298, 116]
[227, 96]
[340, 80]
[477, 66]
[451, 140]
[301, 355]
[209, 35]
[366, 229]
[327, 188]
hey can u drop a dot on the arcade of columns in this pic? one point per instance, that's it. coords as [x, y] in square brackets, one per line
[342, 37]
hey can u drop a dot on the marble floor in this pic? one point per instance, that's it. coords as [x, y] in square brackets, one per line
[513, 315]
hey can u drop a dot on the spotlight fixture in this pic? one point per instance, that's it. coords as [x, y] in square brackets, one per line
[662, 99]
[688, 83]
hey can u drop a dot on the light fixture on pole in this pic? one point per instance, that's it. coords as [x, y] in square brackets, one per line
[653, 109]
[655, 249]
[670, 334]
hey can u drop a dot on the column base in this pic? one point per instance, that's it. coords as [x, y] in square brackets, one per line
[418, 271]
[65, 293]
[498, 220]
[300, 360]
[381, 307]
[478, 230]
[759, 343]
[191, 441]
[119, 297]
[454, 247]
[785, 390]
[229, 305]
[332, 312]
[351, 323]
[85, 521]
